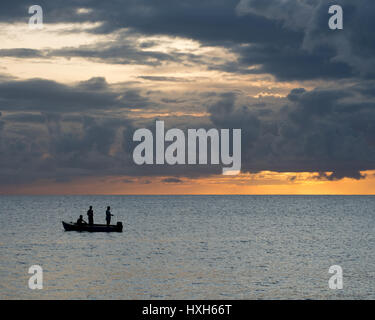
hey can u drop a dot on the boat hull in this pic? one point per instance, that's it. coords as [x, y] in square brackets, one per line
[71, 226]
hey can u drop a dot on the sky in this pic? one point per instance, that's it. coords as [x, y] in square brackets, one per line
[73, 93]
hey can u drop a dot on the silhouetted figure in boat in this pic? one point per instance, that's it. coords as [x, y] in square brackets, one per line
[90, 214]
[80, 221]
[108, 216]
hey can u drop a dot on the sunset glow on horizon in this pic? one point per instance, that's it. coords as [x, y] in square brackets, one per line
[263, 183]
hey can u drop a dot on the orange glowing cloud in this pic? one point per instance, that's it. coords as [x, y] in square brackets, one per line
[246, 184]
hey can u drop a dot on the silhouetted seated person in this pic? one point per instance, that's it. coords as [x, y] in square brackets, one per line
[80, 221]
[108, 216]
[90, 214]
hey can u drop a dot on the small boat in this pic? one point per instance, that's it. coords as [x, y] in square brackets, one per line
[71, 226]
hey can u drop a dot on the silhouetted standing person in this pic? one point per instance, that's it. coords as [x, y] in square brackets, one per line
[90, 214]
[108, 216]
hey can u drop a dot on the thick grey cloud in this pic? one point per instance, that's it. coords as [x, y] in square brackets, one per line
[316, 131]
[289, 39]
[25, 118]
[55, 150]
[50, 130]
[50, 96]
[172, 180]
[292, 62]
[123, 51]
[320, 130]
[161, 78]
[335, 54]
[21, 53]
[210, 22]
[53, 131]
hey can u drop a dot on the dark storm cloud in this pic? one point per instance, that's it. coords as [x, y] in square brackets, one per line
[289, 39]
[12, 11]
[56, 151]
[210, 22]
[335, 54]
[50, 130]
[25, 117]
[207, 20]
[119, 52]
[166, 79]
[1, 124]
[320, 130]
[51, 96]
[291, 62]
[54, 131]
[46, 134]
[317, 131]
[172, 180]
[21, 53]
[340, 175]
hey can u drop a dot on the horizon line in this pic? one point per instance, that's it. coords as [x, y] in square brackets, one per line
[188, 194]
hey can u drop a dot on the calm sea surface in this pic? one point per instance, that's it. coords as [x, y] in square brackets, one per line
[190, 247]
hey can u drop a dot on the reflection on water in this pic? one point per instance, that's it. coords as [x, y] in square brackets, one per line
[189, 247]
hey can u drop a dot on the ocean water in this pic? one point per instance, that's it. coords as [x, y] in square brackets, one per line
[190, 247]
